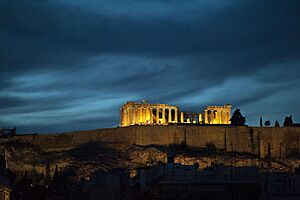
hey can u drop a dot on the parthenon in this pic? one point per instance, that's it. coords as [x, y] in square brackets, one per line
[133, 113]
[144, 113]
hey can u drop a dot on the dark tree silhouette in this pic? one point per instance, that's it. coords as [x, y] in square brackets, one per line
[277, 124]
[267, 123]
[261, 122]
[288, 121]
[48, 172]
[56, 175]
[237, 118]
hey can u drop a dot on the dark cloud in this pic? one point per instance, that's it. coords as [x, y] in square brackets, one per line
[88, 124]
[65, 32]
[8, 102]
[61, 59]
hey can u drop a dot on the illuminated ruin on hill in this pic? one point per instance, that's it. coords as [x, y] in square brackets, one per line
[144, 113]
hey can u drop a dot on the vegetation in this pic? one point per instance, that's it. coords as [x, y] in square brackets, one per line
[288, 121]
[237, 118]
[267, 123]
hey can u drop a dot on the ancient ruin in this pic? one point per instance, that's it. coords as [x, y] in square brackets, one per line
[144, 113]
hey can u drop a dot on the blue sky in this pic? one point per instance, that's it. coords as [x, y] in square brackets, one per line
[70, 65]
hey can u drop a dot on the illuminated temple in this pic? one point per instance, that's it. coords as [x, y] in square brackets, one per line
[144, 113]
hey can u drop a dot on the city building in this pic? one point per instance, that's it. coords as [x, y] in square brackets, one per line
[7, 132]
[5, 189]
[281, 185]
[179, 181]
[107, 185]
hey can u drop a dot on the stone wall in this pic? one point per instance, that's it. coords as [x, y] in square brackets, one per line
[255, 140]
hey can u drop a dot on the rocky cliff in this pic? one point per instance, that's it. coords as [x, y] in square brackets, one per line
[131, 147]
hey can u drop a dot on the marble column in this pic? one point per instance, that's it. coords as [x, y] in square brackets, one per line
[157, 115]
[136, 114]
[151, 115]
[123, 123]
[176, 115]
[127, 117]
[206, 117]
[133, 116]
[228, 117]
[181, 117]
[200, 119]
[140, 115]
[130, 116]
[223, 117]
[140, 110]
[144, 116]
[170, 115]
[164, 115]
[220, 116]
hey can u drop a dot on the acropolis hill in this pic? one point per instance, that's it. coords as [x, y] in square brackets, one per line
[136, 145]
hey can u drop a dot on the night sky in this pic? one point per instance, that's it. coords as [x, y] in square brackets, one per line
[70, 64]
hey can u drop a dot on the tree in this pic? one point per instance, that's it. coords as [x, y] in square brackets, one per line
[288, 121]
[277, 124]
[267, 123]
[237, 118]
[56, 175]
[261, 122]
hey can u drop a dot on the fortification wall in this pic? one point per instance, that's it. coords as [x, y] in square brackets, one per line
[255, 140]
